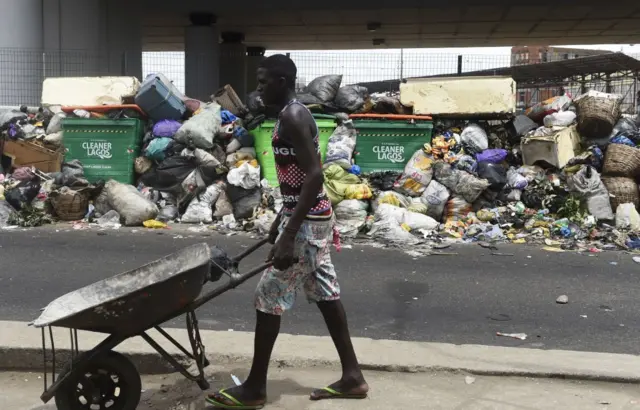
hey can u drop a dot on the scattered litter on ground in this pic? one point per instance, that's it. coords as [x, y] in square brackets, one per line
[469, 380]
[562, 299]
[519, 336]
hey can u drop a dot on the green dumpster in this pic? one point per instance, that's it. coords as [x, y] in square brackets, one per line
[264, 152]
[106, 148]
[387, 145]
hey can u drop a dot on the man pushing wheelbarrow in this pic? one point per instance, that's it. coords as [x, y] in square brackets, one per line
[302, 235]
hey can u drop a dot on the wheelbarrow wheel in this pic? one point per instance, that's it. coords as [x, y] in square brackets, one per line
[109, 381]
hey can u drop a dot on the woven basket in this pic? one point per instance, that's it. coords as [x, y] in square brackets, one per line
[597, 115]
[622, 191]
[69, 205]
[622, 161]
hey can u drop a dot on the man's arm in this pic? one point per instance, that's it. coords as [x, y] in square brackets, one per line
[296, 127]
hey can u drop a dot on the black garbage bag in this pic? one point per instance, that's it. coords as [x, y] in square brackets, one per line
[325, 88]
[22, 194]
[519, 126]
[169, 174]
[351, 98]
[220, 262]
[308, 99]
[626, 128]
[244, 201]
[254, 103]
[383, 180]
[496, 174]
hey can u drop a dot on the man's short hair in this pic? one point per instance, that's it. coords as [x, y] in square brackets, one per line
[279, 65]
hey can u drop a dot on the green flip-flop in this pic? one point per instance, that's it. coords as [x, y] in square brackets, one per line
[327, 393]
[237, 404]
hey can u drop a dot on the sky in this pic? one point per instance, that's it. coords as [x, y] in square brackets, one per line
[374, 65]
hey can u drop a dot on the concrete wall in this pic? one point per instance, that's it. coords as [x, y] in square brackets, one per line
[40, 39]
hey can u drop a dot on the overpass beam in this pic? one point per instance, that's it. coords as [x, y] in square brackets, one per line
[233, 62]
[202, 56]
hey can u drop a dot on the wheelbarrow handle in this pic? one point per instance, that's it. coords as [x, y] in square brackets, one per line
[251, 249]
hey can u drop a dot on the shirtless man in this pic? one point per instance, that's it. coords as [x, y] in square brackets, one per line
[302, 236]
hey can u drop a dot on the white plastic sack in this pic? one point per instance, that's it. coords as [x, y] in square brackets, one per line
[223, 206]
[54, 139]
[351, 215]
[201, 128]
[435, 197]
[6, 210]
[413, 220]
[627, 217]
[515, 180]
[390, 197]
[474, 139]
[416, 176]
[55, 124]
[386, 229]
[341, 145]
[199, 209]
[587, 183]
[246, 176]
[559, 119]
[129, 203]
[470, 187]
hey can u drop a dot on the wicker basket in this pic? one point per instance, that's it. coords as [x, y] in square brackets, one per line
[622, 191]
[622, 161]
[597, 114]
[69, 205]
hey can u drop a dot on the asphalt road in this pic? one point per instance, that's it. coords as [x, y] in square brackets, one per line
[464, 298]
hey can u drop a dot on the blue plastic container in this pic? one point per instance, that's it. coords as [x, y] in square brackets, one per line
[158, 99]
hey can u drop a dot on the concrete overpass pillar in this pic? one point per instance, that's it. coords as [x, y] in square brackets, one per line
[124, 38]
[255, 55]
[233, 62]
[202, 56]
[21, 42]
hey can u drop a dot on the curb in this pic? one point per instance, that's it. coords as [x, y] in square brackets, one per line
[20, 349]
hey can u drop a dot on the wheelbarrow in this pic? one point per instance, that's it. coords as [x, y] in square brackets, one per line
[129, 305]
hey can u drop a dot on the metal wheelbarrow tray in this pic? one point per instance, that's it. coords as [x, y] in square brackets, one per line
[125, 306]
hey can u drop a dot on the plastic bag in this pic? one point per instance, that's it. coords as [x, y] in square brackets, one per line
[627, 217]
[156, 148]
[199, 209]
[531, 172]
[166, 128]
[200, 129]
[435, 197]
[23, 174]
[308, 99]
[351, 98]
[386, 227]
[101, 203]
[548, 106]
[559, 119]
[416, 176]
[325, 88]
[244, 201]
[243, 154]
[168, 208]
[588, 184]
[457, 209]
[626, 127]
[132, 206]
[474, 139]
[515, 180]
[621, 139]
[494, 173]
[246, 176]
[383, 180]
[254, 103]
[351, 215]
[341, 145]
[446, 175]
[470, 187]
[110, 219]
[7, 210]
[22, 194]
[391, 198]
[466, 163]
[55, 124]
[223, 206]
[492, 155]
[357, 191]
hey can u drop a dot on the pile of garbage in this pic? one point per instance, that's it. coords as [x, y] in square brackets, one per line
[485, 181]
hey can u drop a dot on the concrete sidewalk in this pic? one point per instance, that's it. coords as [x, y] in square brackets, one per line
[289, 389]
[20, 349]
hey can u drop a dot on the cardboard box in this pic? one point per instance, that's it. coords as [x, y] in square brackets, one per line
[27, 154]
